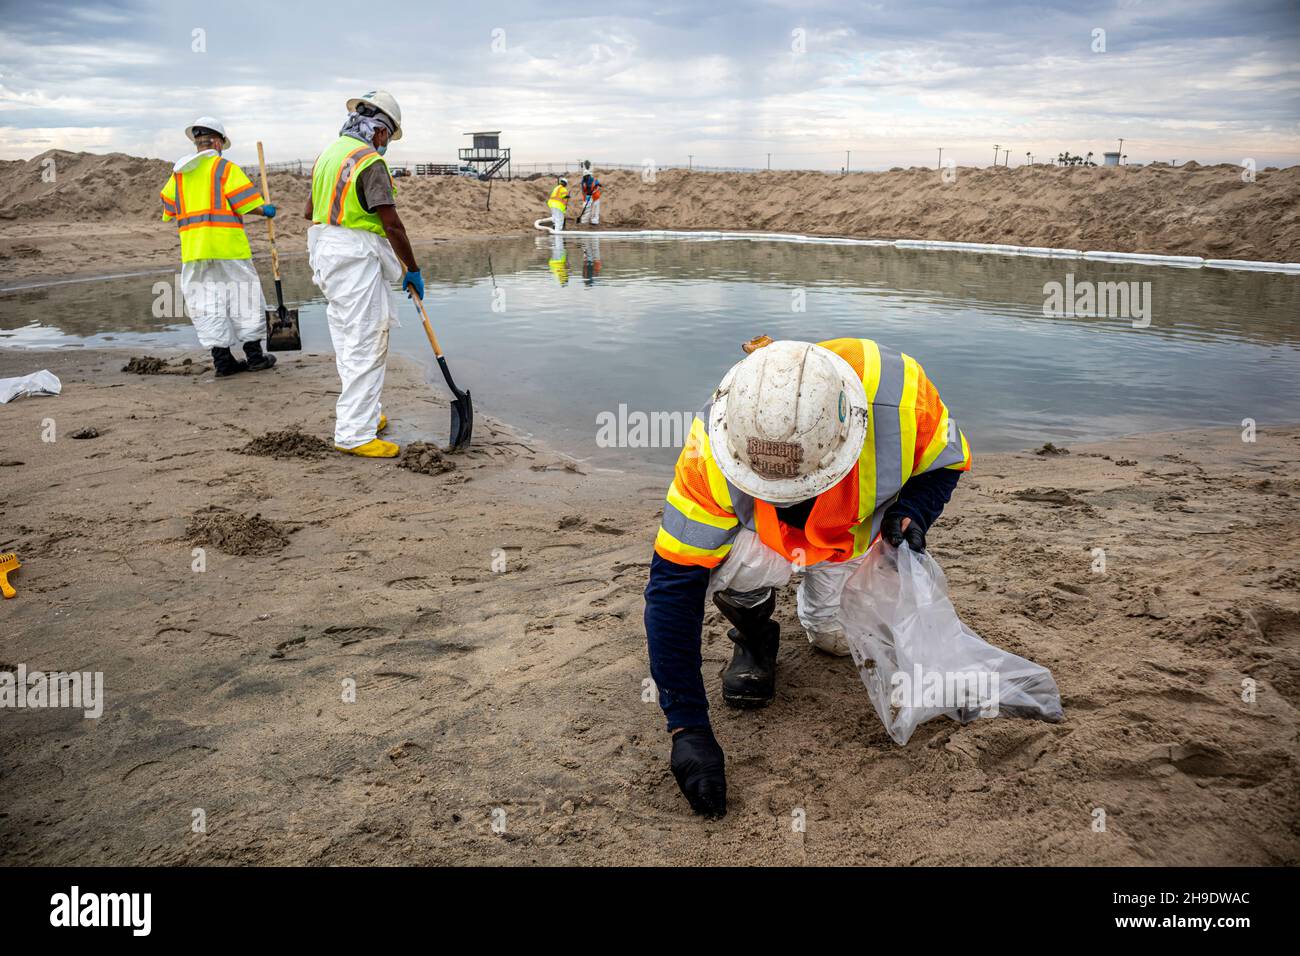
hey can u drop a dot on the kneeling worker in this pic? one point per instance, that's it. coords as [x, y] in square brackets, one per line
[208, 196]
[805, 454]
[356, 247]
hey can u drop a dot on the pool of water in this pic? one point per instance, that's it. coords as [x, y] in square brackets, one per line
[555, 338]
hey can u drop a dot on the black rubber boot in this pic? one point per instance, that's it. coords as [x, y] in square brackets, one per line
[257, 359]
[750, 678]
[226, 364]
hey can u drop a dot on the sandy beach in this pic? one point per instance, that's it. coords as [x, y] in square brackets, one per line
[487, 609]
[101, 215]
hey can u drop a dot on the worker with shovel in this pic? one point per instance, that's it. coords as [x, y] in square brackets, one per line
[558, 203]
[208, 196]
[803, 456]
[357, 245]
[591, 199]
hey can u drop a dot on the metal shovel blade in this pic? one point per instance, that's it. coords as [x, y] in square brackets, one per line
[282, 333]
[462, 420]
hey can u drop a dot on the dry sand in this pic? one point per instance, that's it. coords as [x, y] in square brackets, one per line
[519, 690]
[101, 213]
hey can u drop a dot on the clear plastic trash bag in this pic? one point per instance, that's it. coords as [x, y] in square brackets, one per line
[918, 660]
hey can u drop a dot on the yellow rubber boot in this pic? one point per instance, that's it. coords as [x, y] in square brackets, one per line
[383, 424]
[375, 448]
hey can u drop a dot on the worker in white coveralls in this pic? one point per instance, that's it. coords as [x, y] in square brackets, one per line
[357, 247]
[803, 456]
[558, 203]
[208, 196]
[591, 199]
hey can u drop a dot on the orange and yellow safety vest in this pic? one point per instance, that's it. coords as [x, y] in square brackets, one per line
[208, 202]
[334, 199]
[909, 432]
[559, 197]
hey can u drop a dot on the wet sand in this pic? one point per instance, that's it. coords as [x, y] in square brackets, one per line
[488, 609]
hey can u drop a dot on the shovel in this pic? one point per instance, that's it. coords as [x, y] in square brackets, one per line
[282, 333]
[462, 409]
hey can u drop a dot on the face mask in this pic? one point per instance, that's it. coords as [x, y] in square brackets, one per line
[381, 149]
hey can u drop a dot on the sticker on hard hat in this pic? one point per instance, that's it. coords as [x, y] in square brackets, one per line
[844, 403]
[774, 459]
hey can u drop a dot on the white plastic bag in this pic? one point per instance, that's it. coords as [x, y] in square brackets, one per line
[918, 660]
[43, 382]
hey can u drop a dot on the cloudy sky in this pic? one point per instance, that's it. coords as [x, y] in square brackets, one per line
[625, 80]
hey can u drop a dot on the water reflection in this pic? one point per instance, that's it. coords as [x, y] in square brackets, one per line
[652, 324]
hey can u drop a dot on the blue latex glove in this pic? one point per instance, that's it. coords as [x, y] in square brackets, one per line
[268, 211]
[413, 281]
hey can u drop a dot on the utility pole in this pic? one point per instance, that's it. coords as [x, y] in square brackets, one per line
[690, 160]
[1121, 149]
[997, 148]
[769, 162]
[1006, 160]
[940, 157]
[846, 160]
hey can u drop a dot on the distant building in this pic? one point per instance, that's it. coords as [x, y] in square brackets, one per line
[1111, 159]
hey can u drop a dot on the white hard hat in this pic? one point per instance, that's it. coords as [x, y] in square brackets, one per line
[383, 101]
[564, 181]
[209, 122]
[788, 422]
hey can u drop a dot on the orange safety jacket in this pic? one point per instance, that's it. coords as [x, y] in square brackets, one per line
[909, 432]
[208, 202]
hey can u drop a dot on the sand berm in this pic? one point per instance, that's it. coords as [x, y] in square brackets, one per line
[100, 213]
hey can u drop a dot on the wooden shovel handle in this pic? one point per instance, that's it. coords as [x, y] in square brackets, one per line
[270, 225]
[428, 329]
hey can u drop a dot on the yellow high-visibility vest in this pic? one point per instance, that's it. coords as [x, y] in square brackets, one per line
[909, 432]
[559, 197]
[334, 199]
[208, 202]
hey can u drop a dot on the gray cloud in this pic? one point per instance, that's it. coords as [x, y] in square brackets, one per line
[891, 81]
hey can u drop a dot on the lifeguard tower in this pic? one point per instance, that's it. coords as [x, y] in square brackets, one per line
[487, 155]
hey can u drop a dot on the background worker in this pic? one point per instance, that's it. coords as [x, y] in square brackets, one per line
[357, 246]
[591, 199]
[803, 455]
[208, 196]
[558, 203]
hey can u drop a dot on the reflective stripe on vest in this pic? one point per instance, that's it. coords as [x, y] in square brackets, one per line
[343, 182]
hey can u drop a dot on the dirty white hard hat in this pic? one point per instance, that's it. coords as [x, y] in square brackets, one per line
[788, 422]
[383, 101]
[208, 122]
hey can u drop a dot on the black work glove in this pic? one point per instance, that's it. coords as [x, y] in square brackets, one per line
[891, 529]
[698, 764]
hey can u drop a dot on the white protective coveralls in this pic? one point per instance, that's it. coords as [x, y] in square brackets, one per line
[354, 269]
[751, 568]
[225, 302]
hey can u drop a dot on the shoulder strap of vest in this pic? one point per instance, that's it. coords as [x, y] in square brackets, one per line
[343, 180]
